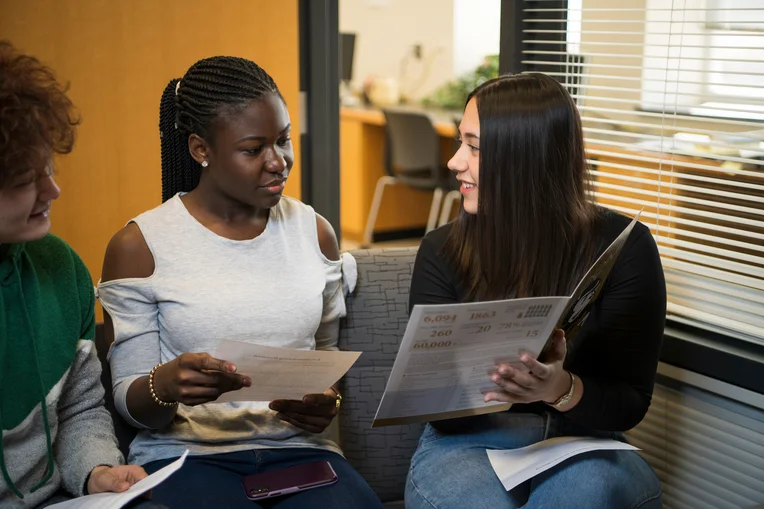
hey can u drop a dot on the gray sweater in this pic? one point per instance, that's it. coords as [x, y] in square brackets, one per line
[47, 354]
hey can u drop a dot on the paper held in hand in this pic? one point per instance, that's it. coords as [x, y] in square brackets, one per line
[282, 373]
[441, 370]
[118, 500]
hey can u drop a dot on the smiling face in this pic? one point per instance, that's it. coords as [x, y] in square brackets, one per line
[250, 152]
[25, 205]
[466, 160]
[37, 121]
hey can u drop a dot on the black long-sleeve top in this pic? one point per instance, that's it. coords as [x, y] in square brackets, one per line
[615, 354]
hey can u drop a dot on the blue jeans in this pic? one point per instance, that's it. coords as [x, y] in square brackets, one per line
[215, 481]
[452, 470]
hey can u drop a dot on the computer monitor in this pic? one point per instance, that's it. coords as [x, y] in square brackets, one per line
[347, 50]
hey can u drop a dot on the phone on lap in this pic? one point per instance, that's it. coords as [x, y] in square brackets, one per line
[288, 480]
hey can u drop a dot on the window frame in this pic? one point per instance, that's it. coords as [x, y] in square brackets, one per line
[714, 354]
[695, 106]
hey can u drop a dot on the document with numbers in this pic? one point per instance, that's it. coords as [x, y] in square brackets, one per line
[443, 366]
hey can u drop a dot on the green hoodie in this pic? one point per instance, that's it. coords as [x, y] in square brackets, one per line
[47, 355]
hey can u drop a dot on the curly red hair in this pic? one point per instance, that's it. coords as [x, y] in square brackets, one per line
[37, 118]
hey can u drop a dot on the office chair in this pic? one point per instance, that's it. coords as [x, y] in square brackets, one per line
[448, 206]
[412, 158]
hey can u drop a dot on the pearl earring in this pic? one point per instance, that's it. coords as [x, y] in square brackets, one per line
[205, 164]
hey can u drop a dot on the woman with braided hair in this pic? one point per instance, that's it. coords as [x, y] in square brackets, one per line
[225, 256]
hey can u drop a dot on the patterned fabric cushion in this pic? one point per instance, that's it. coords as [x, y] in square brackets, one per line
[376, 320]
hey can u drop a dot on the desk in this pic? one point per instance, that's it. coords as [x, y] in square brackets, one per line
[362, 163]
[444, 121]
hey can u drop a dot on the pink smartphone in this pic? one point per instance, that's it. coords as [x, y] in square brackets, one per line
[288, 480]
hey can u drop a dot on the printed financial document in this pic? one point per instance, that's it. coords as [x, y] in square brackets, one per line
[447, 352]
[443, 365]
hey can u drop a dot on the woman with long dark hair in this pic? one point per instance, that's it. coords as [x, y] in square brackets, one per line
[528, 229]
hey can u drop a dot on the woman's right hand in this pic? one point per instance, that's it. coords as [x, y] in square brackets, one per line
[196, 378]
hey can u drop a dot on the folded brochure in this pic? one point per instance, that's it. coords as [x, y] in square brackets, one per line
[441, 370]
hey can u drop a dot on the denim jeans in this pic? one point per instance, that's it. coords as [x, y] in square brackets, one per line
[214, 480]
[452, 470]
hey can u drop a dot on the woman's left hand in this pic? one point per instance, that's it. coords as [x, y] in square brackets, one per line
[545, 381]
[314, 413]
[104, 478]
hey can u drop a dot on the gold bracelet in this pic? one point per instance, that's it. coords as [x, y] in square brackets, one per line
[337, 399]
[154, 394]
[565, 398]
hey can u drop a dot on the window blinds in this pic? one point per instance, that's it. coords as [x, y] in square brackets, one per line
[671, 95]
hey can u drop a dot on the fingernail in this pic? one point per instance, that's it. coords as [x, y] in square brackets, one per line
[247, 382]
[495, 378]
[231, 368]
[504, 371]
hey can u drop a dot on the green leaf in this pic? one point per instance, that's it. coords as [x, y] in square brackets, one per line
[453, 94]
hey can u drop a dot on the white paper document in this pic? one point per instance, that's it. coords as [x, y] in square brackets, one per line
[282, 373]
[117, 500]
[443, 364]
[515, 466]
[448, 351]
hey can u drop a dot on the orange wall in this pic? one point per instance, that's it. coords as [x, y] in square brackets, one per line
[118, 56]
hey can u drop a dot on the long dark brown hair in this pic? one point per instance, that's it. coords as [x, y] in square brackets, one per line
[533, 232]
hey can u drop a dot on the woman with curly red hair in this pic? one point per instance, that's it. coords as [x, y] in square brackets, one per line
[57, 437]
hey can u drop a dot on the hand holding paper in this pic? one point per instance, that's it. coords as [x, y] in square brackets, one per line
[197, 378]
[313, 413]
[450, 351]
[282, 373]
[545, 381]
[117, 500]
[104, 478]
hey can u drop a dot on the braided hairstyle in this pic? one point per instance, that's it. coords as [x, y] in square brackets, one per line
[212, 87]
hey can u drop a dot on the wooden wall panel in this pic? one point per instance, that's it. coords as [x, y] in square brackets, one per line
[117, 57]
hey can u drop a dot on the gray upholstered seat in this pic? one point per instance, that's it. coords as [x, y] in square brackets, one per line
[377, 317]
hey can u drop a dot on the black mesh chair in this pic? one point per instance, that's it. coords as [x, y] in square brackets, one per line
[412, 158]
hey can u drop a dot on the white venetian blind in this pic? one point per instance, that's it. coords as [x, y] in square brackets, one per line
[671, 95]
